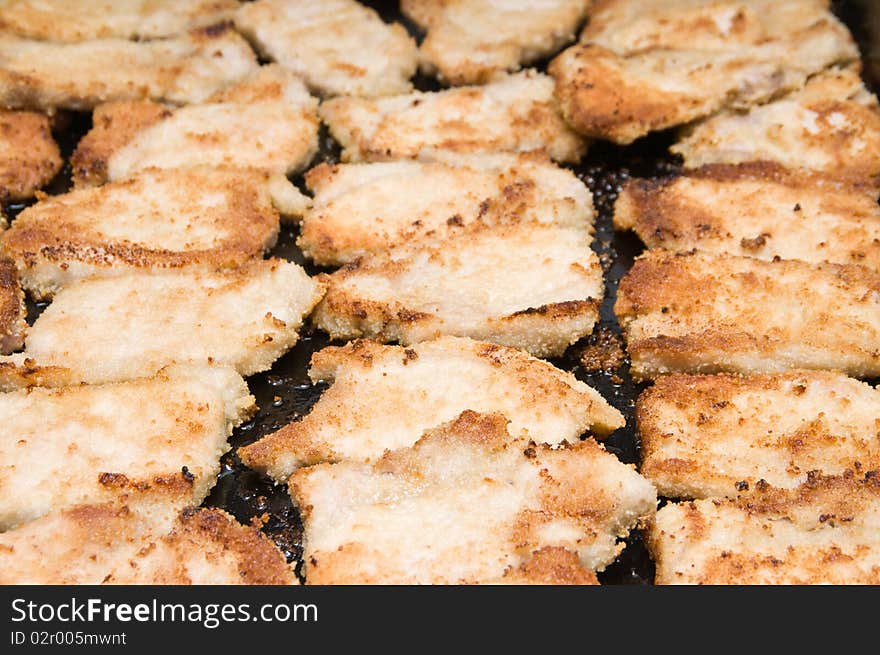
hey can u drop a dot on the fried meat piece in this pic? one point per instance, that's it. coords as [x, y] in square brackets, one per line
[129, 326]
[93, 443]
[757, 210]
[513, 113]
[339, 47]
[719, 435]
[465, 504]
[469, 41]
[29, 156]
[699, 313]
[384, 397]
[366, 208]
[620, 84]
[80, 76]
[528, 285]
[267, 121]
[156, 219]
[823, 532]
[84, 20]
[133, 543]
[832, 125]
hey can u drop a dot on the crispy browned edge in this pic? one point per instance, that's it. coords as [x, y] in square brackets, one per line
[260, 562]
[114, 124]
[12, 309]
[35, 159]
[839, 498]
[551, 565]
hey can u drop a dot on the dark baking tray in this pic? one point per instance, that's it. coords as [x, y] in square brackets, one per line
[285, 392]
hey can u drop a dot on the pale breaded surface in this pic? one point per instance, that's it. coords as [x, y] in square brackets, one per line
[699, 313]
[181, 69]
[82, 20]
[12, 309]
[267, 121]
[130, 544]
[463, 505]
[157, 219]
[339, 47]
[366, 208]
[468, 41]
[527, 285]
[622, 84]
[89, 443]
[627, 26]
[384, 398]
[718, 435]
[128, 326]
[514, 113]
[29, 156]
[831, 125]
[755, 210]
[824, 532]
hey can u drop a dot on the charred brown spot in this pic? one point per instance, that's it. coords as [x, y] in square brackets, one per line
[756, 243]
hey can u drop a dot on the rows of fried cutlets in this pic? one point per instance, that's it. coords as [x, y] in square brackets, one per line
[756, 307]
[118, 401]
[458, 236]
[445, 451]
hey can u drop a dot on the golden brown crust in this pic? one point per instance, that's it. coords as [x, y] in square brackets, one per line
[29, 156]
[266, 121]
[749, 316]
[755, 209]
[465, 504]
[240, 553]
[244, 318]
[339, 47]
[113, 125]
[140, 539]
[823, 532]
[12, 309]
[628, 26]
[551, 565]
[719, 435]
